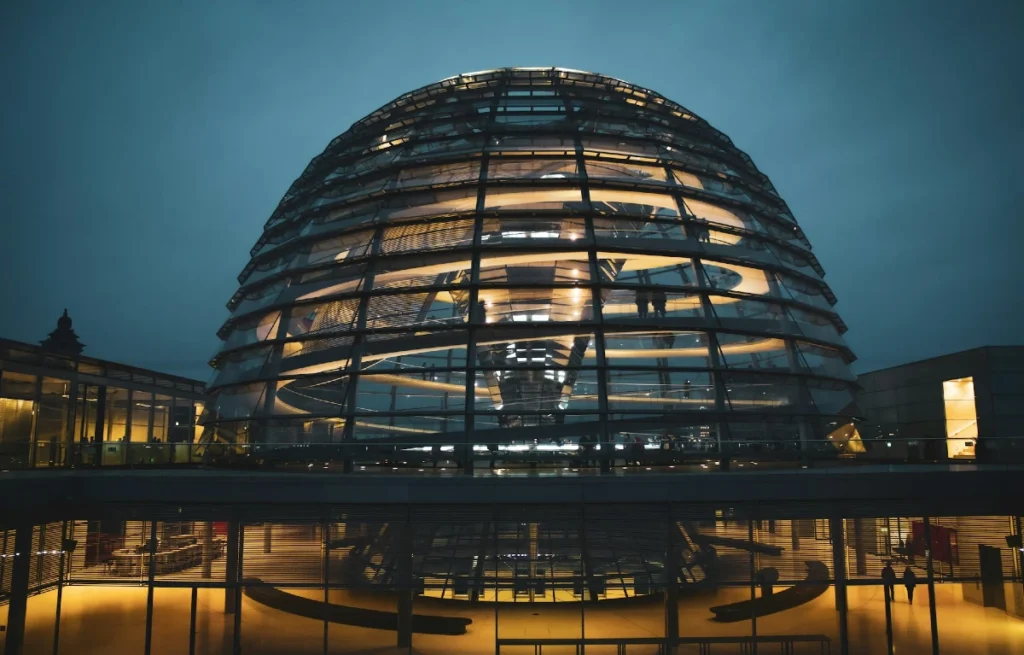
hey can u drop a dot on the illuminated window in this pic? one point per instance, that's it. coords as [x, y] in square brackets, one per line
[961, 417]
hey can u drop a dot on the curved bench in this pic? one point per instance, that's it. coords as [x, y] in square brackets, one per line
[345, 614]
[813, 586]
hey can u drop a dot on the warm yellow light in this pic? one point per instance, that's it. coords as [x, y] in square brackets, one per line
[961, 417]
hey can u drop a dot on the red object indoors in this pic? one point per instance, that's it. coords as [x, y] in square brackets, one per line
[944, 544]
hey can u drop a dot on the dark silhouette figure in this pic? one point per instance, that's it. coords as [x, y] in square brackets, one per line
[642, 300]
[658, 301]
[638, 451]
[479, 313]
[909, 581]
[587, 449]
[686, 389]
[704, 234]
[889, 581]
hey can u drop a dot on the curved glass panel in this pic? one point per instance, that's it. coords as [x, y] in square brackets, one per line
[520, 261]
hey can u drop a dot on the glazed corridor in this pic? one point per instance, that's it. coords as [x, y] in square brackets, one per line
[389, 579]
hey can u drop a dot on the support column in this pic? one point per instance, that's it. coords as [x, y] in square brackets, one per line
[532, 553]
[753, 588]
[33, 439]
[60, 584]
[1020, 550]
[888, 624]
[237, 573]
[355, 363]
[99, 429]
[672, 585]
[149, 591]
[859, 550]
[835, 527]
[931, 586]
[71, 458]
[605, 440]
[208, 549]
[231, 566]
[403, 570]
[476, 320]
[19, 591]
[192, 622]
[325, 562]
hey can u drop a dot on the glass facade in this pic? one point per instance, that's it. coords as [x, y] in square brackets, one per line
[472, 579]
[62, 411]
[542, 250]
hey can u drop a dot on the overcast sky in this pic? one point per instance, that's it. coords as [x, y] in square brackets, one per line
[144, 144]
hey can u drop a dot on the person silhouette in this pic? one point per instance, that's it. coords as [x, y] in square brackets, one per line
[642, 300]
[909, 581]
[889, 581]
[658, 301]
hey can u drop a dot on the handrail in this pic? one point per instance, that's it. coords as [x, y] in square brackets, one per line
[665, 644]
[516, 451]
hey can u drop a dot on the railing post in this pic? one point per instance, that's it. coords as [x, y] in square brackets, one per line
[192, 622]
[19, 590]
[671, 585]
[239, 530]
[149, 585]
[405, 586]
[931, 586]
[835, 524]
[60, 585]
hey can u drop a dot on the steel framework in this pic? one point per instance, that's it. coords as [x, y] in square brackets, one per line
[539, 256]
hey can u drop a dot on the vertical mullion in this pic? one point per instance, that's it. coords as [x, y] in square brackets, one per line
[607, 456]
[473, 316]
[714, 353]
[835, 524]
[60, 585]
[793, 360]
[237, 591]
[722, 432]
[325, 539]
[930, 572]
[273, 365]
[356, 349]
[753, 588]
[33, 439]
[149, 584]
[192, 622]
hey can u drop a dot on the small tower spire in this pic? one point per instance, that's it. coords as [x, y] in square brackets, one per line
[63, 339]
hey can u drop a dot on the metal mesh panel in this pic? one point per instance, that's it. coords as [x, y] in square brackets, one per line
[873, 542]
[6, 561]
[283, 552]
[959, 541]
[191, 550]
[624, 549]
[44, 565]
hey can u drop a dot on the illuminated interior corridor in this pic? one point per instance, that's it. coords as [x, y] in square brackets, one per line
[98, 620]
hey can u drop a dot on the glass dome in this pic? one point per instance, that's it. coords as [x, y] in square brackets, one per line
[529, 259]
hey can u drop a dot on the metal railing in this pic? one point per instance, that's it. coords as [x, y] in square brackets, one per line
[544, 454]
[787, 644]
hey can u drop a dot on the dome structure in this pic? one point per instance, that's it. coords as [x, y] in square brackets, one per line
[531, 258]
